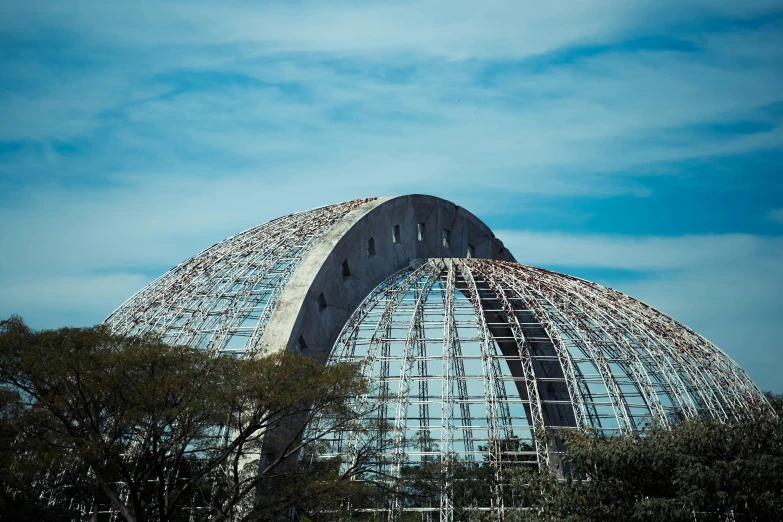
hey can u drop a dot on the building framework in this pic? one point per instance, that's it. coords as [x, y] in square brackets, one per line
[291, 283]
[222, 298]
[478, 359]
[473, 356]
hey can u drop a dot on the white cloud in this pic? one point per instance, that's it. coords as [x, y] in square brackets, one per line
[453, 28]
[185, 168]
[604, 115]
[456, 29]
[776, 215]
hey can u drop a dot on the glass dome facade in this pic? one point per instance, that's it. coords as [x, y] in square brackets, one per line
[465, 354]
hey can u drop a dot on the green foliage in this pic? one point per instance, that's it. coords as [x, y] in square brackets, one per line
[700, 470]
[154, 430]
[776, 401]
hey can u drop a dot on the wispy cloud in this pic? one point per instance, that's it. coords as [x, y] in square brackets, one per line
[132, 136]
[296, 75]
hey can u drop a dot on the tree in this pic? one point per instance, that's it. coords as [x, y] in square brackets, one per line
[776, 401]
[90, 420]
[701, 469]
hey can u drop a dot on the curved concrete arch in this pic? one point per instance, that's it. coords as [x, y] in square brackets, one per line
[319, 298]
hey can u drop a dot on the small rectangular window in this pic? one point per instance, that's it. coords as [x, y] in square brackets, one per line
[396, 234]
[446, 237]
[370, 247]
[420, 231]
[346, 271]
[321, 301]
[471, 250]
[302, 345]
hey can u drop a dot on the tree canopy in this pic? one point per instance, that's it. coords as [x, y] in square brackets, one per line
[93, 421]
[699, 470]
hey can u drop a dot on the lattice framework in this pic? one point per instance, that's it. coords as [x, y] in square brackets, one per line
[222, 298]
[438, 335]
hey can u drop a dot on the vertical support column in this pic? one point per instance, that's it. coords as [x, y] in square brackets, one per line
[490, 390]
[452, 354]
[447, 397]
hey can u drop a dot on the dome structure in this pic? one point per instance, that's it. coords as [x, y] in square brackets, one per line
[471, 354]
[291, 283]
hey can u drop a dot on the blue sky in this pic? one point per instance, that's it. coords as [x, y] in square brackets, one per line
[638, 144]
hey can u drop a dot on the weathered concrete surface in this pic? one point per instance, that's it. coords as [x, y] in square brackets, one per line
[298, 312]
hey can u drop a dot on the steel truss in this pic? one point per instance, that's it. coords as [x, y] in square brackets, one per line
[222, 298]
[585, 357]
